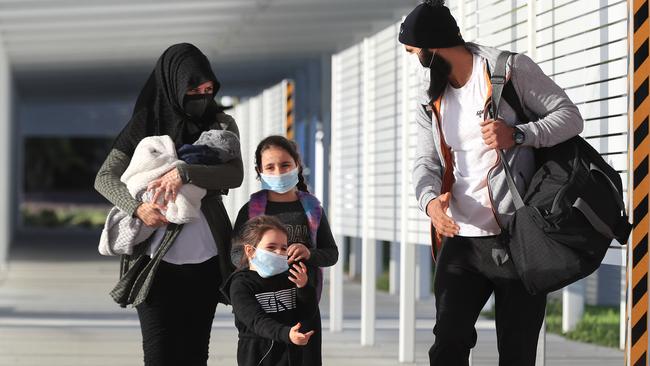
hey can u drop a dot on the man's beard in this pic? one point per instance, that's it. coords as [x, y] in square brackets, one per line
[440, 70]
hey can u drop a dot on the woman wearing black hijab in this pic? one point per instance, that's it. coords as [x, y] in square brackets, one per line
[173, 278]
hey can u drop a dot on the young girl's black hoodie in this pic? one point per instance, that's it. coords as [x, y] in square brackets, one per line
[265, 310]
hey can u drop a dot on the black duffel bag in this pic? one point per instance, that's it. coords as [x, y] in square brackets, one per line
[572, 210]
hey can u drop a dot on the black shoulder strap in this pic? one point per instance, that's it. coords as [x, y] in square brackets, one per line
[505, 90]
[498, 79]
[511, 97]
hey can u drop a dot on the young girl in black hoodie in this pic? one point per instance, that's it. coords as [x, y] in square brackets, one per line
[270, 300]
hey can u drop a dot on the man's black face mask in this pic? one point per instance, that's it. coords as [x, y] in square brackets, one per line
[440, 70]
[425, 56]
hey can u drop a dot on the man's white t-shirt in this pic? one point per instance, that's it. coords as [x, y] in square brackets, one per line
[462, 113]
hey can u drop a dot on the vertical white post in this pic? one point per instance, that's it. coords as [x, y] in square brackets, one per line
[369, 246]
[573, 305]
[319, 164]
[630, 183]
[532, 53]
[407, 251]
[623, 303]
[6, 134]
[336, 291]
[540, 359]
[461, 17]
[532, 29]
[336, 271]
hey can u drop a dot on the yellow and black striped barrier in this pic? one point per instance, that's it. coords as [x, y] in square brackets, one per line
[638, 319]
[290, 110]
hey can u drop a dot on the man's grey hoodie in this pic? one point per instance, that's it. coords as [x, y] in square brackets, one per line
[554, 119]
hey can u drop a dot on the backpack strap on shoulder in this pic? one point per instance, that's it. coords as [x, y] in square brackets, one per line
[498, 79]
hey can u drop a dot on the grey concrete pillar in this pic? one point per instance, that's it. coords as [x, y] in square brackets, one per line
[423, 272]
[379, 258]
[393, 269]
[6, 161]
[354, 267]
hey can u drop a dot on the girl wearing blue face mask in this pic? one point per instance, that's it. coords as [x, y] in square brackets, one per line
[284, 195]
[271, 301]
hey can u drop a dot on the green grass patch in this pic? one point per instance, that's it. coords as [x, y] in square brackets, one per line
[65, 218]
[383, 282]
[599, 324]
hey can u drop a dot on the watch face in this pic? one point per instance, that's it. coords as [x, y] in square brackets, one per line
[519, 137]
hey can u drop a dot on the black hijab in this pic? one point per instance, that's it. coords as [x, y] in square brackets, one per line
[159, 107]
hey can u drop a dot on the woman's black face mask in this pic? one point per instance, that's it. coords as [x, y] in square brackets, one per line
[196, 105]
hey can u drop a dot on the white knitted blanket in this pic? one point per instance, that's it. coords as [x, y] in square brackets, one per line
[153, 157]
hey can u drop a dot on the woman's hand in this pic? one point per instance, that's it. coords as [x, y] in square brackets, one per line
[166, 186]
[298, 273]
[297, 338]
[150, 215]
[298, 252]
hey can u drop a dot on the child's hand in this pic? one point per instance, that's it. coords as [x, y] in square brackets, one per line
[298, 338]
[298, 252]
[298, 275]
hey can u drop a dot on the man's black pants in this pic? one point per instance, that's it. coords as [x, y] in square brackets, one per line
[466, 274]
[176, 318]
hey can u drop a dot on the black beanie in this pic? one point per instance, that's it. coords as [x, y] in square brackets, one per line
[430, 25]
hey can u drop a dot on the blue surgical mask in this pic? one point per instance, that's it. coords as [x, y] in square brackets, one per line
[268, 263]
[282, 183]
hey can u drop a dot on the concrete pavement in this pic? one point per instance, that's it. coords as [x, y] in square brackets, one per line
[55, 310]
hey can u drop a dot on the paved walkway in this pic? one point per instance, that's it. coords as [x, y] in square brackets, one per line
[55, 310]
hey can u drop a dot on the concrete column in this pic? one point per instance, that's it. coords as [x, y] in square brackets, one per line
[423, 272]
[379, 258]
[354, 261]
[336, 289]
[319, 165]
[393, 269]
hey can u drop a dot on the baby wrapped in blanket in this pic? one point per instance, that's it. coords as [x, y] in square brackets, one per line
[153, 157]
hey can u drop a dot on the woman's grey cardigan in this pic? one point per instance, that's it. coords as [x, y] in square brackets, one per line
[137, 271]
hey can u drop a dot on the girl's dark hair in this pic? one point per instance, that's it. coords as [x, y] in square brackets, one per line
[287, 145]
[253, 231]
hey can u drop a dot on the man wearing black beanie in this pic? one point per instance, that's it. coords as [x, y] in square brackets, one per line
[461, 187]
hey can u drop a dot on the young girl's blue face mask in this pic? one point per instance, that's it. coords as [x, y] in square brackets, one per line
[282, 183]
[269, 264]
